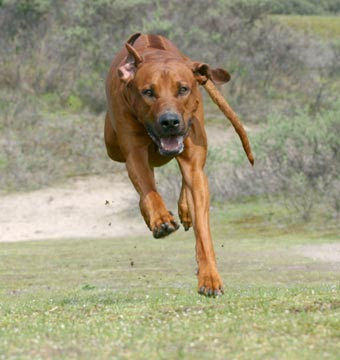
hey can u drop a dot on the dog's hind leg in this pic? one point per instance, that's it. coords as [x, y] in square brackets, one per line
[183, 208]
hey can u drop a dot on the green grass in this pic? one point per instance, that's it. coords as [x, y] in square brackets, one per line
[135, 298]
[327, 27]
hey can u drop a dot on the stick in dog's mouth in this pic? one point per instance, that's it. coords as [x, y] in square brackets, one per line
[221, 102]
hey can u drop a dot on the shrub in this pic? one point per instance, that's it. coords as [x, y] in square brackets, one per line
[296, 160]
[58, 46]
[303, 7]
[39, 148]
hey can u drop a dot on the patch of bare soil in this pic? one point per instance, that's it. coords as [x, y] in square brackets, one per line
[83, 207]
[324, 252]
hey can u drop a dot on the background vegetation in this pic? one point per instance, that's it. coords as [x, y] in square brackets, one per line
[285, 80]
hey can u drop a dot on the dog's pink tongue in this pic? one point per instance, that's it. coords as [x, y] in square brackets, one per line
[170, 143]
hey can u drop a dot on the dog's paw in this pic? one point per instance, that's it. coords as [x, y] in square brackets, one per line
[164, 229]
[185, 217]
[209, 282]
[164, 226]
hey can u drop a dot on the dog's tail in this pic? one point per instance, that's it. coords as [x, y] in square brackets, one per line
[219, 100]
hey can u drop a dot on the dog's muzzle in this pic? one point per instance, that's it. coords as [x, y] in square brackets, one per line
[169, 134]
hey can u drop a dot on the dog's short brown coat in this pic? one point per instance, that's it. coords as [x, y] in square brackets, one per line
[150, 79]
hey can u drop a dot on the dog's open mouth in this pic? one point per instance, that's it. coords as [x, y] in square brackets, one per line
[167, 146]
[172, 145]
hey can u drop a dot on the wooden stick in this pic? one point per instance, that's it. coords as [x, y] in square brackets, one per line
[219, 100]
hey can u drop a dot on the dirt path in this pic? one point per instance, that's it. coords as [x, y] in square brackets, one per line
[323, 252]
[93, 207]
[83, 207]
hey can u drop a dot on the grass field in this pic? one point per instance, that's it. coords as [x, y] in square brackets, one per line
[135, 298]
[327, 27]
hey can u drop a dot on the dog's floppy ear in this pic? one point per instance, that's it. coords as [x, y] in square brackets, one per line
[203, 72]
[127, 71]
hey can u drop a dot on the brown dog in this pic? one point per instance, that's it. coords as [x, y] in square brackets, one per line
[155, 114]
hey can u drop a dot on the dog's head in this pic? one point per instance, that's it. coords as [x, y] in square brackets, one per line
[163, 93]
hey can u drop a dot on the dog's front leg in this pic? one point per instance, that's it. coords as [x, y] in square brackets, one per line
[209, 280]
[159, 220]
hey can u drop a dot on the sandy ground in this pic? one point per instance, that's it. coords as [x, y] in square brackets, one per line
[324, 253]
[83, 207]
[93, 207]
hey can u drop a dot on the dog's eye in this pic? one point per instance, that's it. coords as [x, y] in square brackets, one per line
[183, 90]
[148, 93]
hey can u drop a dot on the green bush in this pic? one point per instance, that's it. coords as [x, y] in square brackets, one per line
[305, 7]
[74, 103]
[297, 161]
[40, 148]
[302, 154]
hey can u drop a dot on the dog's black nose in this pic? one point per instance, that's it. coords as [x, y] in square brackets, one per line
[169, 120]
